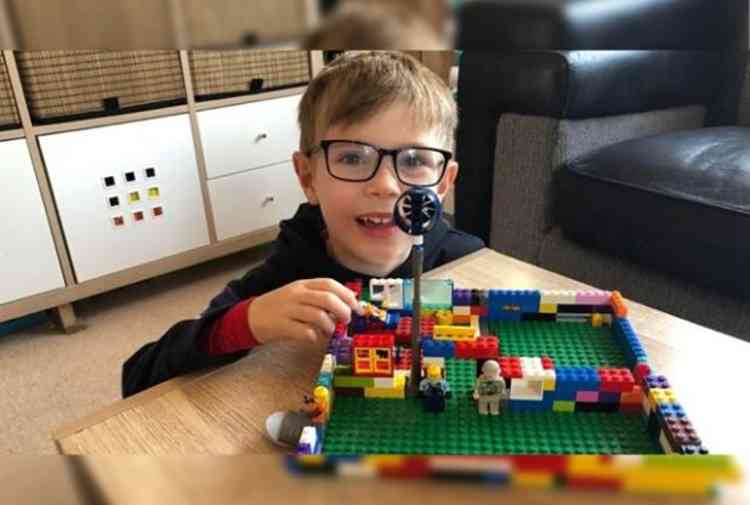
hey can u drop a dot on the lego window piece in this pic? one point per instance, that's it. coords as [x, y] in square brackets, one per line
[436, 293]
[134, 197]
[157, 211]
[129, 176]
[138, 215]
[150, 172]
[118, 221]
[113, 201]
[153, 192]
[109, 181]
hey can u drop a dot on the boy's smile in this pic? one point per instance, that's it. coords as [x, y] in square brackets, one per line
[359, 215]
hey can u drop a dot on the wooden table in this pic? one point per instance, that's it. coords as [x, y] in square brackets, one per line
[224, 411]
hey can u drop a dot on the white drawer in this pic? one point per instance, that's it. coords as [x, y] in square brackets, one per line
[254, 199]
[156, 153]
[28, 260]
[252, 135]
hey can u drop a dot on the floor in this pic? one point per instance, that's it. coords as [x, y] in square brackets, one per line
[48, 378]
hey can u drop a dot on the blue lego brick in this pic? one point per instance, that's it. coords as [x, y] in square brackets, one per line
[629, 341]
[437, 348]
[527, 406]
[577, 379]
[568, 395]
[606, 397]
[461, 297]
[391, 319]
[512, 301]
[657, 381]
[547, 400]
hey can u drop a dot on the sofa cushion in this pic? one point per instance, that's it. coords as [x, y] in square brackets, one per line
[678, 201]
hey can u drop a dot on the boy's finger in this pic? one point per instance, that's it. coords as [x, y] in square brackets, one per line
[329, 302]
[317, 318]
[346, 294]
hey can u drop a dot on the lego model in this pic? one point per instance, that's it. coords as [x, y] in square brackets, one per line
[489, 390]
[566, 369]
[434, 389]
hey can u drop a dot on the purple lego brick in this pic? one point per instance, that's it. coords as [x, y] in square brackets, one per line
[593, 297]
[587, 396]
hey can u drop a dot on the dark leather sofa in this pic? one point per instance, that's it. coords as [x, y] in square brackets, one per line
[626, 169]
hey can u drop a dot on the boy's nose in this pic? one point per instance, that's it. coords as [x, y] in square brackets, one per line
[385, 182]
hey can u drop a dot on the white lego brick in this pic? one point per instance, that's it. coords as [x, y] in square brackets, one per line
[384, 382]
[329, 364]
[390, 292]
[359, 469]
[566, 297]
[433, 360]
[526, 389]
[308, 439]
[462, 310]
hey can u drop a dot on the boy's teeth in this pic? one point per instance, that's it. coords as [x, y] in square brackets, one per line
[374, 220]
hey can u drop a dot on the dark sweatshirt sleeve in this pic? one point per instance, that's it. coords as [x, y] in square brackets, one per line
[178, 351]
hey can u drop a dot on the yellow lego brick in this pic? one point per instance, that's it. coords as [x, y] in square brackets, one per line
[399, 391]
[596, 320]
[593, 466]
[528, 479]
[549, 380]
[455, 333]
[661, 396]
[459, 319]
[444, 317]
[548, 308]
[649, 480]
[461, 310]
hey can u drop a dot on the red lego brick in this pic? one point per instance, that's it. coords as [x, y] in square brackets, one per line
[462, 350]
[548, 363]
[404, 360]
[551, 464]
[375, 340]
[475, 310]
[340, 329]
[406, 468]
[485, 347]
[616, 380]
[403, 331]
[510, 367]
[630, 408]
[355, 286]
[641, 371]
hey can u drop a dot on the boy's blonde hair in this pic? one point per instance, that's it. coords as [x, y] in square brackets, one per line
[356, 86]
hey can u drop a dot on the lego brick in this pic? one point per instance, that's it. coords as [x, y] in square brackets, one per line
[587, 396]
[548, 308]
[558, 296]
[510, 367]
[439, 348]
[534, 480]
[538, 317]
[384, 382]
[572, 318]
[563, 406]
[635, 396]
[454, 333]
[594, 297]
[618, 305]
[607, 397]
[549, 380]
[461, 310]
[342, 381]
[461, 320]
[526, 389]
[616, 380]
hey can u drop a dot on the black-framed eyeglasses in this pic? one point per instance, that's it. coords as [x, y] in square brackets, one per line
[354, 161]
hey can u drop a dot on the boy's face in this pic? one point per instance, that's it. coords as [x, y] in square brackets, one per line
[346, 206]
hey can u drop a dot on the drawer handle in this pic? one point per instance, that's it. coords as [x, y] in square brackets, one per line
[267, 200]
[261, 136]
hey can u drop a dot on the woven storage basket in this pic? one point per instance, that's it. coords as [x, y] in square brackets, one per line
[66, 85]
[8, 113]
[220, 74]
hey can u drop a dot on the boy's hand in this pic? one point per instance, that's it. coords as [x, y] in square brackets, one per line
[307, 309]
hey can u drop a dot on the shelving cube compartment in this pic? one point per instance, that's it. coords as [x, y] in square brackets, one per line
[254, 199]
[248, 136]
[78, 162]
[26, 237]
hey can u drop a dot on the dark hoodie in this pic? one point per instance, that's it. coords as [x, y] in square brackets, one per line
[299, 253]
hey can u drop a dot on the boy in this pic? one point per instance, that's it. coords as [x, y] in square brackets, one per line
[371, 125]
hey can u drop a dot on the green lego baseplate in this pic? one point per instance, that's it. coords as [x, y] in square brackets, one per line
[380, 426]
[568, 344]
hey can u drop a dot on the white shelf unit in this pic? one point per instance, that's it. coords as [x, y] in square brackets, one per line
[209, 210]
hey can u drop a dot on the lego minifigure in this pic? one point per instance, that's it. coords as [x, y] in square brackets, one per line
[434, 390]
[489, 390]
[318, 407]
[370, 310]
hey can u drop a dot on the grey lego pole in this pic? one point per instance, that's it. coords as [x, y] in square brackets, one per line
[416, 320]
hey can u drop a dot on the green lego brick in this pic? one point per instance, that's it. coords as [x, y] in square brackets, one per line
[569, 344]
[379, 426]
[563, 406]
[344, 381]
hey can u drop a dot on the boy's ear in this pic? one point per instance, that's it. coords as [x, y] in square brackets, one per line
[451, 171]
[303, 167]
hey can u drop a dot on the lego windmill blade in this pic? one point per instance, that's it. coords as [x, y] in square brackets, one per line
[417, 211]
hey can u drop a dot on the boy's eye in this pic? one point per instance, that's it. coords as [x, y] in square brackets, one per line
[351, 158]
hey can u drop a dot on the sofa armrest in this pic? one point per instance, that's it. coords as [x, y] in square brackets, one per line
[562, 85]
